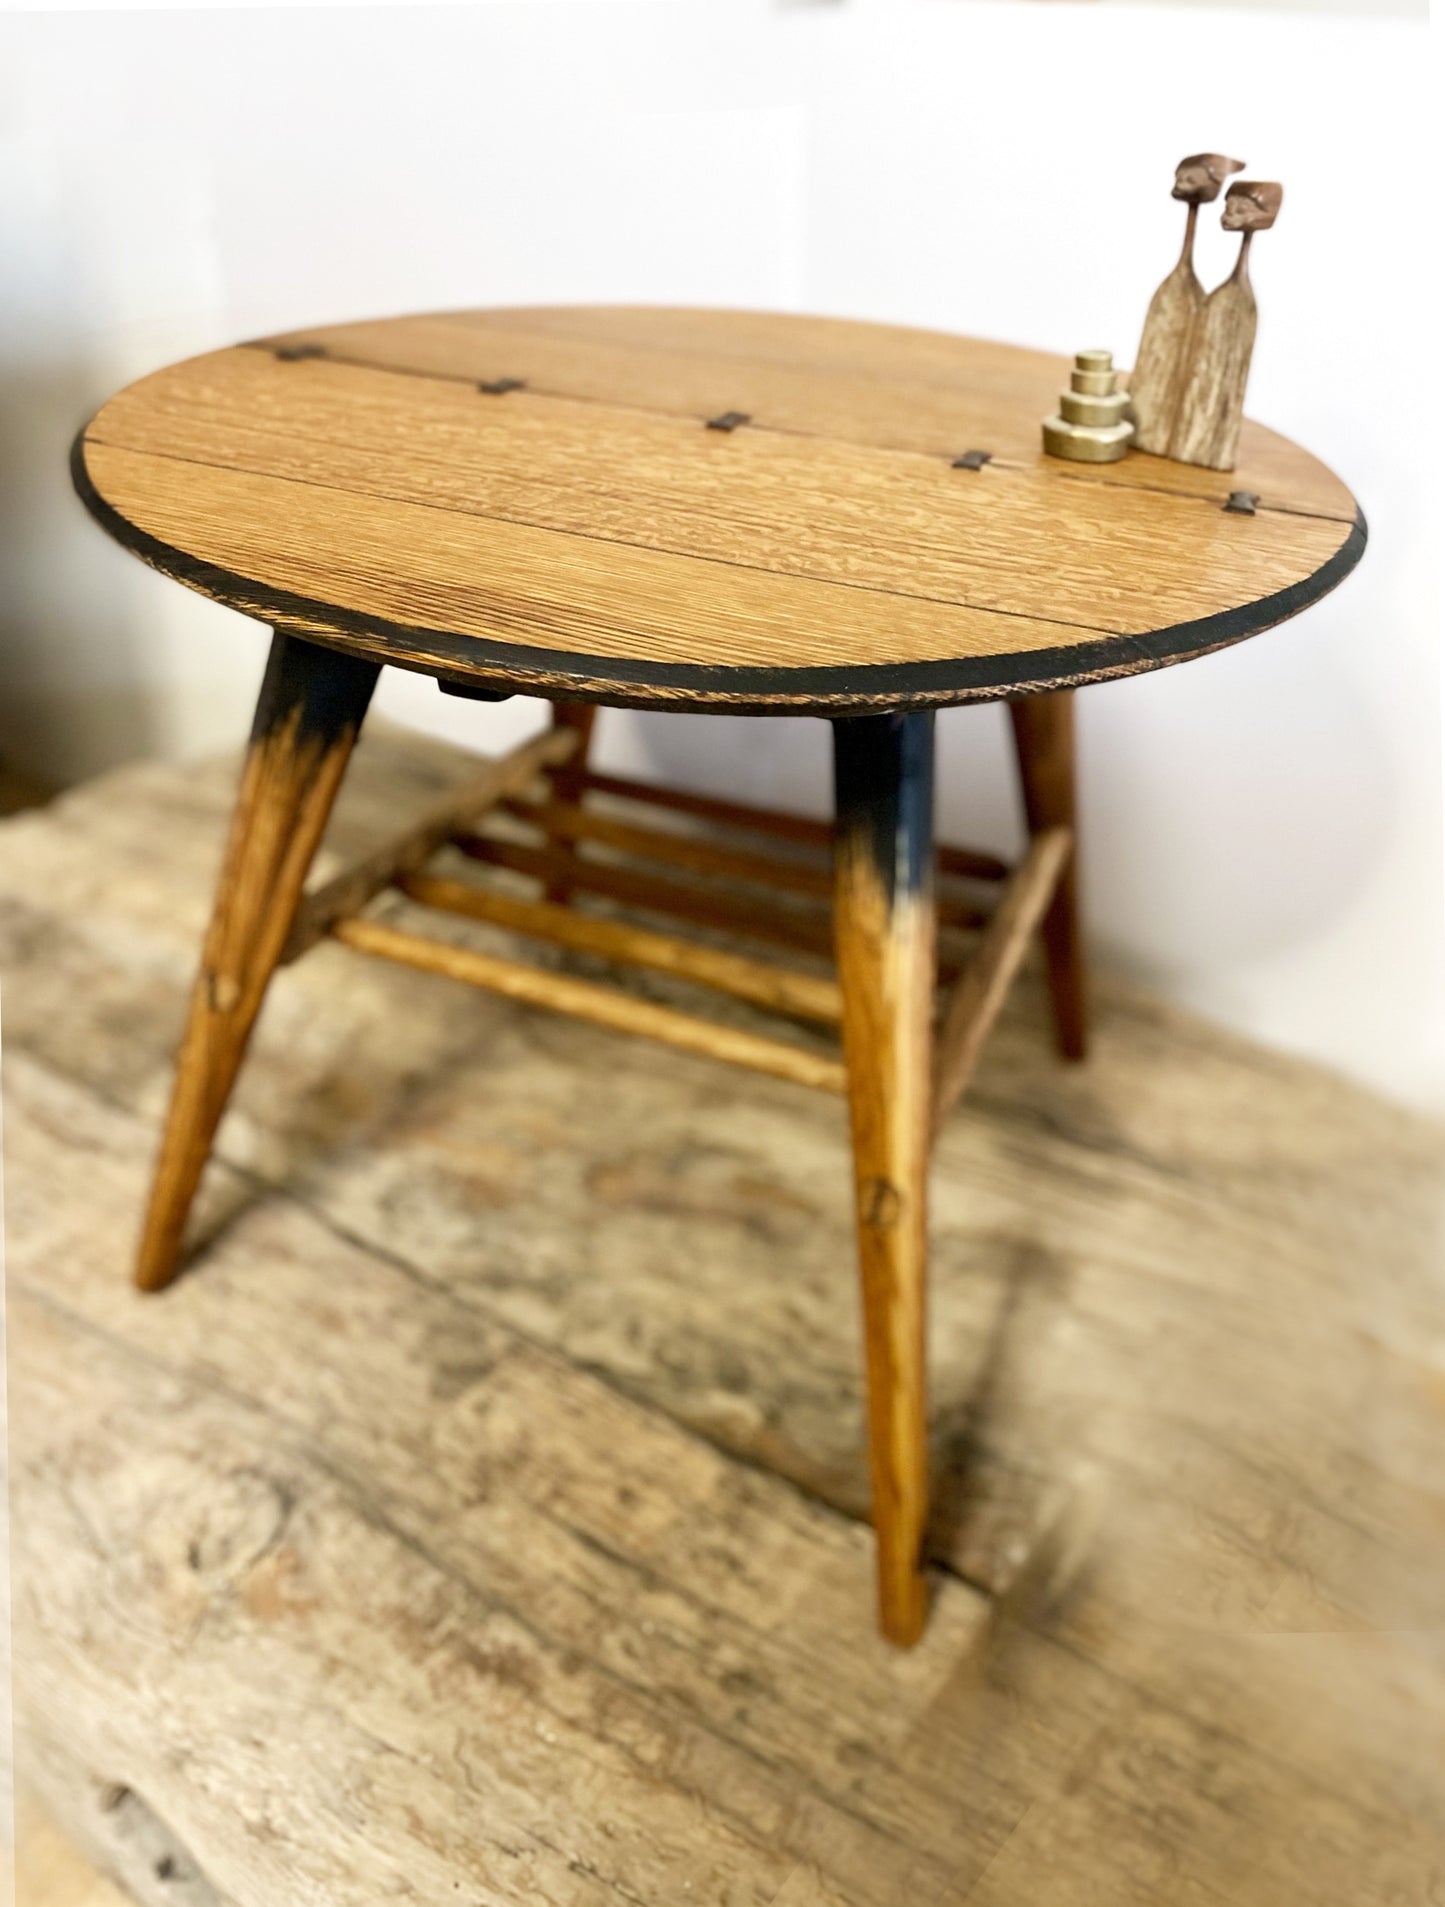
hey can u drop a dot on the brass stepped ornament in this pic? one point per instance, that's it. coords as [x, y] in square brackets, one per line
[1093, 425]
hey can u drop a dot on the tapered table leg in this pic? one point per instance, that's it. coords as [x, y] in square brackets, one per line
[1043, 728]
[311, 707]
[569, 779]
[884, 915]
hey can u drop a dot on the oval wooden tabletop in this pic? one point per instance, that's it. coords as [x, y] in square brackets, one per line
[551, 501]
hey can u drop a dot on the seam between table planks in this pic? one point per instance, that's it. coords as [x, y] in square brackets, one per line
[464, 321]
[612, 542]
[766, 689]
[326, 354]
[1082, 475]
[790, 563]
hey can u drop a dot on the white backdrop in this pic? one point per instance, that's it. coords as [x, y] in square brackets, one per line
[1263, 828]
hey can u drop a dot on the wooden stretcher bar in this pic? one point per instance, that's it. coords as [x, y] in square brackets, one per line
[603, 1006]
[745, 916]
[507, 783]
[968, 863]
[984, 983]
[350, 890]
[690, 852]
[759, 981]
[563, 822]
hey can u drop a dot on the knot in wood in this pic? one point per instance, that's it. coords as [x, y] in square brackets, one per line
[241, 1521]
[223, 991]
[882, 1205]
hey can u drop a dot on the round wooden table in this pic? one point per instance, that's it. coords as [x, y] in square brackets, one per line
[688, 510]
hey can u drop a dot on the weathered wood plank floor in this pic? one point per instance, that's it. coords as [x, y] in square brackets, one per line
[481, 1521]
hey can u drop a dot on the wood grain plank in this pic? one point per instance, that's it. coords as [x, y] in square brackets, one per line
[459, 1328]
[427, 570]
[1141, 1177]
[568, 538]
[1055, 552]
[678, 1626]
[888, 386]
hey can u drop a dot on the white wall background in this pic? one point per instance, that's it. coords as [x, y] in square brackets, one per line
[1263, 828]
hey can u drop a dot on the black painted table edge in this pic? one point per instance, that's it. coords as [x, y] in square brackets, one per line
[623, 682]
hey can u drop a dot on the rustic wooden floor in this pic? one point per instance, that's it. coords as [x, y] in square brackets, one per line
[480, 1521]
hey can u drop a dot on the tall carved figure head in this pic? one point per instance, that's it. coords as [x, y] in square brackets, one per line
[1251, 206]
[1199, 180]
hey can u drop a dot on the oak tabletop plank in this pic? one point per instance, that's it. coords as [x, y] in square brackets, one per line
[577, 528]
[886, 385]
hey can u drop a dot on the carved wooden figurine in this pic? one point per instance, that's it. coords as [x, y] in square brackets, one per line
[1207, 428]
[1160, 369]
